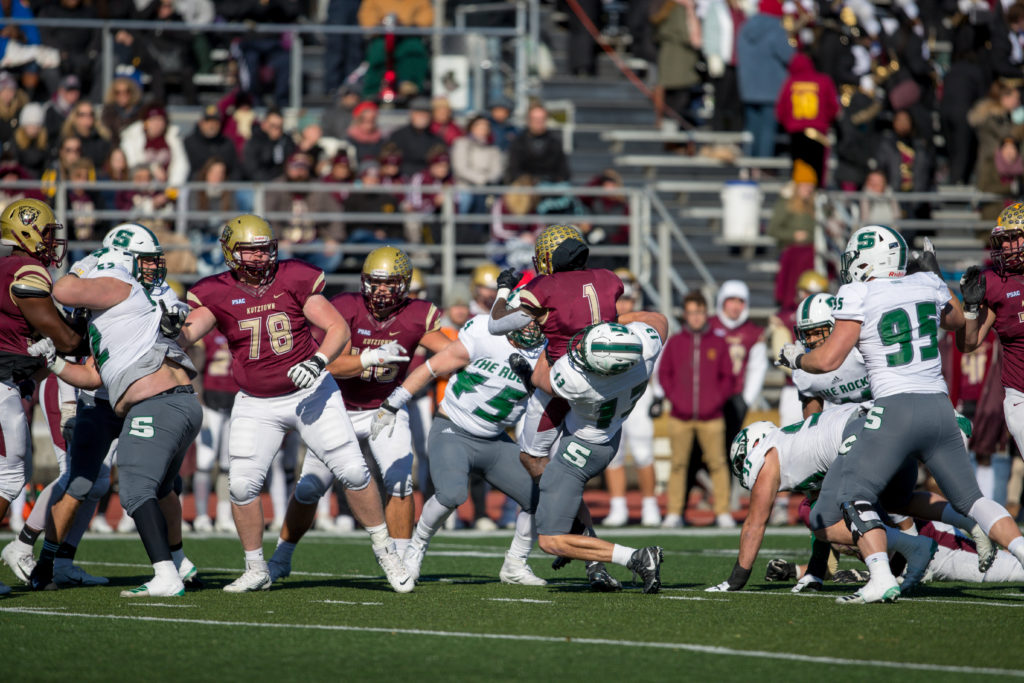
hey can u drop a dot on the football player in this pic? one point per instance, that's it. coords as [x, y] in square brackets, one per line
[993, 299]
[482, 401]
[565, 298]
[266, 308]
[893, 318]
[485, 288]
[96, 428]
[148, 379]
[602, 376]
[768, 460]
[29, 228]
[637, 434]
[384, 322]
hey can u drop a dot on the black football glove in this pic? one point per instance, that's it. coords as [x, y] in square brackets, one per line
[508, 279]
[972, 287]
[924, 260]
[780, 570]
[656, 409]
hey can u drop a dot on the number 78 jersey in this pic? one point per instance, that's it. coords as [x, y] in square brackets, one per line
[601, 403]
[899, 334]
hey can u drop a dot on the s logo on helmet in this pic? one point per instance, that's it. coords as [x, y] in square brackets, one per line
[27, 215]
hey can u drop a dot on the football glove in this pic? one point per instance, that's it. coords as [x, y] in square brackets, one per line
[780, 570]
[807, 582]
[656, 409]
[736, 581]
[389, 353]
[305, 373]
[789, 356]
[82, 267]
[508, 279]
[722, 587]
[924, 260]
[45, 349]
[171, 321]
[383, 419]
[972, 287]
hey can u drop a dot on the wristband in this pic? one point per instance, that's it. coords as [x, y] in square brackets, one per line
[799, 362]
[738, 578]
[430, 369]
[970, 315]
[502, 294]
[320, 359]
[398, 398]
[58, 365]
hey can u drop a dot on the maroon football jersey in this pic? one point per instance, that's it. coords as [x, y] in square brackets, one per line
[573, 300]
[739, 341]
[266, 331]
[15, 332]
[217, 368]
[1005, 298]
[406, 326]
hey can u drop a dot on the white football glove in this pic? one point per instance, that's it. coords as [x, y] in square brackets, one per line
[305, 373]
[808, 582]
[82, 267]
[789, 356]
[720, 588]
[383, 419]
[392, 352]
[45, 349]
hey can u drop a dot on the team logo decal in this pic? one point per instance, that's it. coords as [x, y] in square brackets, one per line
[28, 215]
[227, 233]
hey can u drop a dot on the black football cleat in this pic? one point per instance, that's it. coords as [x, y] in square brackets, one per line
[646, 563]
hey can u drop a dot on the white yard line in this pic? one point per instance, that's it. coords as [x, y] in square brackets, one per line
[693, 597]
[346, 602]
[536, 602]
[835, 594]
[559, 640]
[237, 570]
[156, 604]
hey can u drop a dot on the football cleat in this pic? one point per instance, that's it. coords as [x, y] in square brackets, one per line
[672, 521]
[41, 577]
[485, 524]
[617, 516]
[917, 562]
[21, 563]
[873, 591]
[395, 571]
[224, 523]
[414, 554]
[600, 580]
[725, 521]
[255, 578]
[646, 563]
[516, 571]
[987, 550]
[187, 572]
[126, 525]
[651, 515]
[278, 569]
[202, 523]
[780, 570]
[73, 576]
[99, 525]
[156, 589]
[344, 523]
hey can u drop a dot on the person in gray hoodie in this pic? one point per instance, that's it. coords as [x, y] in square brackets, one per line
[763, 52]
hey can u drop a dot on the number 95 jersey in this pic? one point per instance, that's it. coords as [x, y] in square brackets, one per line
[899, 332]
[266, 329]
[601, 403]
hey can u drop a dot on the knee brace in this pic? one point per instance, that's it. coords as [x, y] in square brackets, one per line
[101, 485]
[860, 517]
[398, 478]
[309, 490]
[452, 497]
[243, 490]
[79, 487]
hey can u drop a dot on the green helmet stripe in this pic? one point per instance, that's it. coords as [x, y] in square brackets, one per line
[601, 346]
[807, 310]
[903, 246]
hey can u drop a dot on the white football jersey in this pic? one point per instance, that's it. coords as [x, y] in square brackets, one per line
[600, 403]
[486, 397]
[807, 449]
[899, 337]
[848, 384]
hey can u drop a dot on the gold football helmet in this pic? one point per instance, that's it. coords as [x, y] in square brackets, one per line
[486, 275]
[811, 282]
[549, 240]
[386, 275]
[630, 286]
[1007, 240]
[250, 249]
[29, 225]
[416, 283]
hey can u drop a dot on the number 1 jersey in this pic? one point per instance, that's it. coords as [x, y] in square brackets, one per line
[899, 333]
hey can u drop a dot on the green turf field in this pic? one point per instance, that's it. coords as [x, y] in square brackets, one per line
[335, 617]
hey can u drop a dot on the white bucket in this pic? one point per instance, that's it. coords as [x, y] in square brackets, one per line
[741, 211]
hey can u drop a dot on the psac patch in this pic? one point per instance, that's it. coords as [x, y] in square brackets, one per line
[1010, 295]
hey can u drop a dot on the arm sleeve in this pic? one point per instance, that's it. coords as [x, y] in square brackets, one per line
[850, 302]
[757, 368]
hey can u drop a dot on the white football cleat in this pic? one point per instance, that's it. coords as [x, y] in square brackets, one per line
[324, 523]
[224, 523]
[394, 569]
[126, 526]
[187, 572]
[255, 578]
[917, 562]
[73, 576]
[725, 521]
[202, 523]
[278, 569]
[414, 553]
[672, 521]
[155, 588]
[617, 516]
[516, 571]
[651, 515]
[99, 525]
[987, 550]
[485, 524]
[873, 591]
[344, 523]
[21, 563]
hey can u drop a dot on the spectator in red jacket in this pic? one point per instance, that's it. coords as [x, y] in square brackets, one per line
[806, 107]
[695, 373]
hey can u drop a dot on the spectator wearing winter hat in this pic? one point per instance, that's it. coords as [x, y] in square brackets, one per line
[83, 124]
[208, 141]
[12, 99]
[122, 103]
[390, 159]
[267, 149]
[806, 107]
[441, 123]
[415, 139]
[363, 133]
[69, 90]
[763, 54]
[296, 204]
[476, 161]
[30, 145]
[153, 143]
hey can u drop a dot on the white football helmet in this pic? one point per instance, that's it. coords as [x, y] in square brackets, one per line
[814, 313]
[874, 251]
[605, 349]
[114, 257]
[746, 455]
[140, 241]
